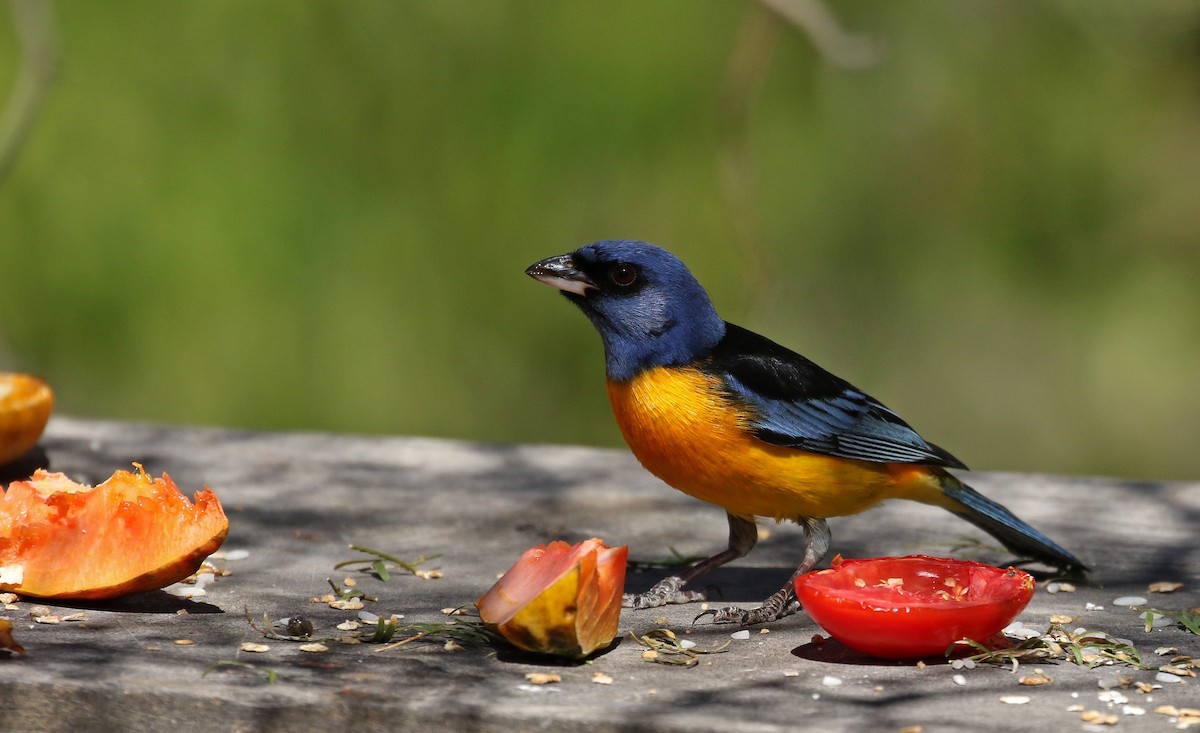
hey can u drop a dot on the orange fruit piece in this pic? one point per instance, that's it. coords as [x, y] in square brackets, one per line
[25, 404]
[132, 533]
[559, 599]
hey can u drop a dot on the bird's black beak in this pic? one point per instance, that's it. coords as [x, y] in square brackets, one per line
[560, 272]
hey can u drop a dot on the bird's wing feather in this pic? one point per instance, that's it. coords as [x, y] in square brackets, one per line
[798, 404]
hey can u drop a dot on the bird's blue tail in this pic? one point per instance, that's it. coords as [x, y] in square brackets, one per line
[999, 522]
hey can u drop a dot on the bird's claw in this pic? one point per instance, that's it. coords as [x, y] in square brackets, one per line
[740, 616]
[779, 605]
[666, 591]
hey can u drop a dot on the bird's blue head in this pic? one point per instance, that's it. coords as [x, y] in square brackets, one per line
[642, 299]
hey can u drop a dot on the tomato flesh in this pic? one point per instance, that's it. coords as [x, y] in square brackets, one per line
[915, 606]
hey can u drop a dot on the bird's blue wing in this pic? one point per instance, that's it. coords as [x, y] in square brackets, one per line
[798, 404]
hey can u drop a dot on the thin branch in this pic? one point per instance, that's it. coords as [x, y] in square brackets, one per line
[34, 22]
[836, 45]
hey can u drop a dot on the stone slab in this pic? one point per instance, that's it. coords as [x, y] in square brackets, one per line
[296, 501]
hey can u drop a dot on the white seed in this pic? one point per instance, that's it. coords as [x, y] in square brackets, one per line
[959, 680]
[740, 635]
[831, 681]
[1129, 601]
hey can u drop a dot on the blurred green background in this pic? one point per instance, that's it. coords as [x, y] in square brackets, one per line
[316, 215]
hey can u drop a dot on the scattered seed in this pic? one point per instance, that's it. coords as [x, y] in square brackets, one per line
[791, 673]
[831, 681]
[428, 574]
[1096, 717]
[1020, 631]
[649, 655]
[1129, 601]
[8, 598]
[352, 604]
[1167, 677]
[297, 626]
[37, 611]
[911, 729]
[47, 619]
[1165, 650]
[1074, 708]
[1113, 681]
[1061, 618]
[349, 626]
[1035, 680]
[601, 679]
[453, 646]
[959, 680]
[687, 644]
[543, 678]
[180, 590]
[314, 648]
[1164, 586]
[184, 642]
[1014, 699]
[1133, 710]
[740, 635]
[1112, 696]
[349, 582]
[256, 648]
[1168, 668]
[456, 611]
[763, 631]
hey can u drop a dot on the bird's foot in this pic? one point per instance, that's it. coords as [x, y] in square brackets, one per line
[780, 605]
[666, 591]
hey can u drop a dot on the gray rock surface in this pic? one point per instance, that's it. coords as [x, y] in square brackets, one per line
[296, 501]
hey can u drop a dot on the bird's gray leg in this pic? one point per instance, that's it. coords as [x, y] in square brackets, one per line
[743, 533]
[782, 602]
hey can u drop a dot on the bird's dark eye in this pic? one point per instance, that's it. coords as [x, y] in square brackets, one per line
[624, 274]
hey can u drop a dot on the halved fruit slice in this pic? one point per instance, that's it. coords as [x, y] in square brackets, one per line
[132, 533]
[559, 599]
[25, 404]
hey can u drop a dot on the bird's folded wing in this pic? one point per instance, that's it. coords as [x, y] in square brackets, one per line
[798, 404]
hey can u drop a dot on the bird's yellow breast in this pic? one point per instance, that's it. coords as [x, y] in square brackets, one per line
[684, 429]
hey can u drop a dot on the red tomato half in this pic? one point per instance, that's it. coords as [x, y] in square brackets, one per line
[916, 606]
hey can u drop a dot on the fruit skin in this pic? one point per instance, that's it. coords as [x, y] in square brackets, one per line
[905, 608]
[132, 533]
[25, 406]
[558, 599]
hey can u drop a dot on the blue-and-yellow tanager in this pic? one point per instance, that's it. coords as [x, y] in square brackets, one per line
[736, 420]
